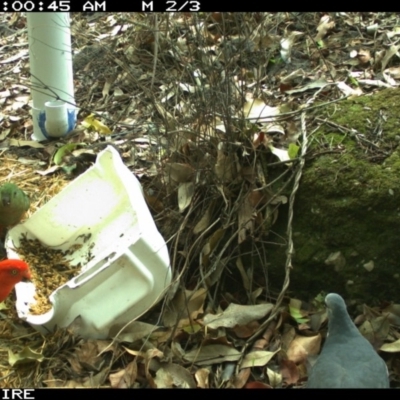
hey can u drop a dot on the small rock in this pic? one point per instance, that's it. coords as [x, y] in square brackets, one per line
[337, 260]
[369, 266]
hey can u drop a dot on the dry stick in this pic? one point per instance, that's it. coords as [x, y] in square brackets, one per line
[156, 44]
[221, 253]
[184, 269]
[6, 376]
[290, 249]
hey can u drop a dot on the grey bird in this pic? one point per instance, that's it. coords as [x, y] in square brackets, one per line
[347, 359]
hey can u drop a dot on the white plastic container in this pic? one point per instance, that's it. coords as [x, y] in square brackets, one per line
[104, 211]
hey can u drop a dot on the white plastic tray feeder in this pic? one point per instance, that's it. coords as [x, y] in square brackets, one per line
[105, 212]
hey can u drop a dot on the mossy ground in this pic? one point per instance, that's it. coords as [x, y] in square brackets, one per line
[349, 201]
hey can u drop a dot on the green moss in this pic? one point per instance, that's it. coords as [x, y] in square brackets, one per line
[349, 201]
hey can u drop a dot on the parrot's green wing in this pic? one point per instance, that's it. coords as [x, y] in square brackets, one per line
[13, 204]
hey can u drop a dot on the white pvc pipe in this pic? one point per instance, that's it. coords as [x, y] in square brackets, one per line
[56, 123]
[50, 59]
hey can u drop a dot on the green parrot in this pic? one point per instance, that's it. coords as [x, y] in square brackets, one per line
[13, 205]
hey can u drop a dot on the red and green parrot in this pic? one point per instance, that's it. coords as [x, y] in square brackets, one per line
[12, 272]
[13, 205]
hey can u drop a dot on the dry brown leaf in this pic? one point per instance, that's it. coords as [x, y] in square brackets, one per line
[163, 379]
[178, 173]
[393, 313]
[154, 203]
[274, 378]
[202, 378]
[185, 305]
[257, 111]
[245, 331]
[394, 72]
[125, 378]
[290, 372]
[302, 347]
[256, 198]
[173, 375]
[212, 354]
[226, 165]
[324, 27]
[106, 88]
[150, 355]
[168, 117]
[185, 195]
[240, 379]
[257, 358]
[88, 356]
[204, 221]
[391, 347]
[237, 314]
[210, 246]
[376, 330]
[136, 330]
[388, 55]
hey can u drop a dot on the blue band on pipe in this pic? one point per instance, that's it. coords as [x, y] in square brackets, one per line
[71, 123]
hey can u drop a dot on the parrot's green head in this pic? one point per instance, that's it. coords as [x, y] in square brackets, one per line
[11, 194]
